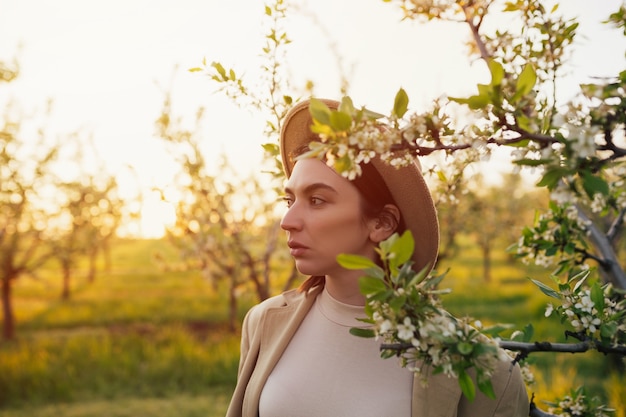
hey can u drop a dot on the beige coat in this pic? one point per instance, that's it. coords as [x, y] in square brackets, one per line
[269, 326]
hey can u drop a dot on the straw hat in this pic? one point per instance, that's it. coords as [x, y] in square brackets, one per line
[406, 184]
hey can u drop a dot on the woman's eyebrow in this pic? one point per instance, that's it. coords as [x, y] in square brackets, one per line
[313, 187]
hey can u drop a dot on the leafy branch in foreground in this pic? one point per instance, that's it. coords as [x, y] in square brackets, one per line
[404, 310]
[403, 307]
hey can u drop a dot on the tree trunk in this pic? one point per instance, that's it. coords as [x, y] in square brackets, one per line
[91, 275]
[486, 261]
[65, 294]
[232, 306]
[106, 250]
[610, 268]
[8, 328]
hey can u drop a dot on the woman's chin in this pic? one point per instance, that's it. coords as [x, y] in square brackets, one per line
[305, 268]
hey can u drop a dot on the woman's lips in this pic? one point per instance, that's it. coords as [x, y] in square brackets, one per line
[296, 249]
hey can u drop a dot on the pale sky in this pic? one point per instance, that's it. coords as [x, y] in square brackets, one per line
[101, 62]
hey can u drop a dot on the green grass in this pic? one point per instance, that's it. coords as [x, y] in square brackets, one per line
[212, 403]
[150, 361]
[147, 341]
[138, 335]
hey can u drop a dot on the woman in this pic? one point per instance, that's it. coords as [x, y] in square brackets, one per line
[297, 356]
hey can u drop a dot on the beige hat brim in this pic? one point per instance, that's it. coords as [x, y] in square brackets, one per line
[406, 184]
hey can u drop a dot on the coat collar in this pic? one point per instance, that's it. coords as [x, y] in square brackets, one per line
[275, 330]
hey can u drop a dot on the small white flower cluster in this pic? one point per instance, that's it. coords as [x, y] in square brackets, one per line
[579, 405]
[346, 151]
[581, 312]
[527, 373]
[579, 309]
[551, 239]
[582, 140]
[437, 339]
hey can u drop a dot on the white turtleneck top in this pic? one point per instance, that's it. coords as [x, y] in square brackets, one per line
[327, 372]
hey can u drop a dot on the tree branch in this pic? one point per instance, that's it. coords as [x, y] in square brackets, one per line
[536, 412]
[474, 28]
[610, 264]
[616, 225]
[526, 348]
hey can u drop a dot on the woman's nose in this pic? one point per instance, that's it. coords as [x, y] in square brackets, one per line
[291, 219]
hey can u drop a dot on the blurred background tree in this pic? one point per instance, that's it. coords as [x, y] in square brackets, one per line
[226, 226]
[42, 215]
[25, 177]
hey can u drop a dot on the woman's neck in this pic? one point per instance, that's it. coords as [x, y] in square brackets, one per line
[345, 287]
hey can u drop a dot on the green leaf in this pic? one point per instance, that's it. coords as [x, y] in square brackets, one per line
[419, 277]
[552, 177]
[531, 162]
[545, 289]
[593, 184]
[382, 296]
[319, 111]
[397, 303]
[271, 148]
[486, 387]
[497, 72]
[519, 144]
[526, 81]
[220, 69]
[355, 261]
[376, 272]
[608, 330]
[482, 349]
[465, 348]
[357, 331]
[582, 277]
[467, 385]
[370, 285]
[403, 248]
[529, 331]
[372, 114]
[387, 244]
[340, 121]
[346, 105]
[343, 164]
[597, 296]
[401, 103]
[484, 90]
[478, 102]
[496, 329]
[474, 102]
[433, 281]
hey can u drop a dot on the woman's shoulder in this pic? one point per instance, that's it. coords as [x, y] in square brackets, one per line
[291, 297]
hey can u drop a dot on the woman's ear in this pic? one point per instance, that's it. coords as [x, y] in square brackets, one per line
[385, 224]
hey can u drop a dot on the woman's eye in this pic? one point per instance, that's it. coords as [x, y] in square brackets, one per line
[288, 200]
[316, 201]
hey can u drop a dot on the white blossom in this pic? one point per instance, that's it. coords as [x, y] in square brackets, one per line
[406, 329]
[585, 303]
[549, 310]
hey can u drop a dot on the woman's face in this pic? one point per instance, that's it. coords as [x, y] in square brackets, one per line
[324, 219]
